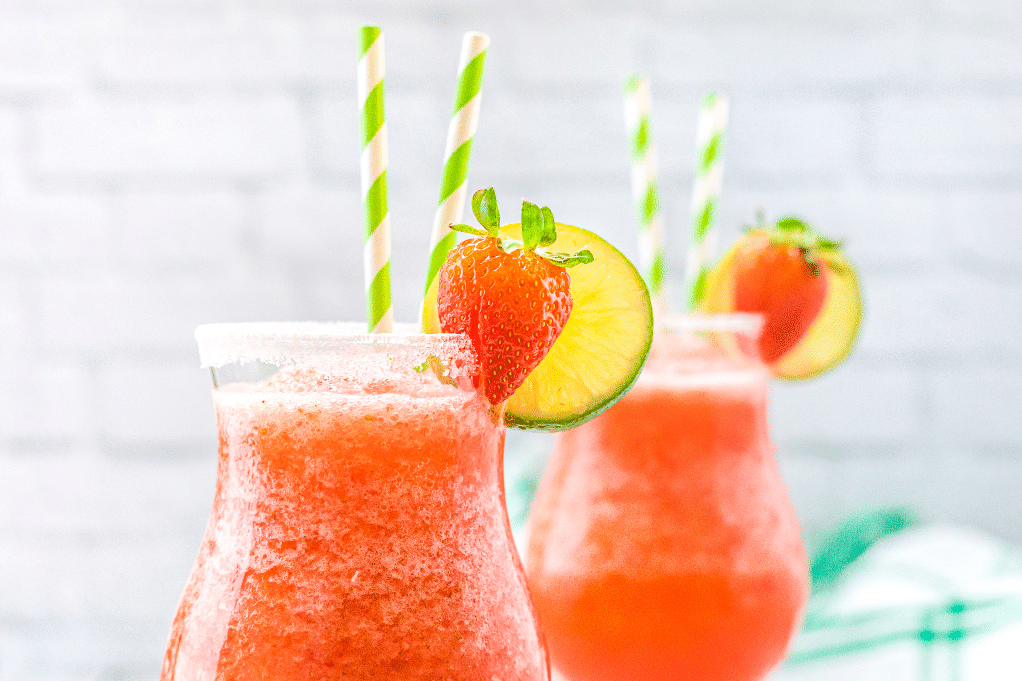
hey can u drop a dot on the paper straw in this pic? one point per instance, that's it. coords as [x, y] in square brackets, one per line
[709, 174]
[652, 257]
[379, 314]
[460, 133]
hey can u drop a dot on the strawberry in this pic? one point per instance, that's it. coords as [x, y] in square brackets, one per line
[510, 297]
[779, 272]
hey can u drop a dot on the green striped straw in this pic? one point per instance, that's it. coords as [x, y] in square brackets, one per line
[460, 133]
[709, 174]
[652, 256]
[379, 313]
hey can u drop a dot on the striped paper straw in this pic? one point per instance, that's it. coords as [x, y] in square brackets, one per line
[379, 314]
[458, 151]
[709, 175]
[652, 257]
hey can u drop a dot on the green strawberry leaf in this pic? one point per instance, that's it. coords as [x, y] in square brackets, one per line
[467, 229]
[484, 205]
[538, 226]
[532, 225]
[583, 257]
[793, 223]
[549, 228]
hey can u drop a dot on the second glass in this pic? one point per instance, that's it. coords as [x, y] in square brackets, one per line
[662, 541]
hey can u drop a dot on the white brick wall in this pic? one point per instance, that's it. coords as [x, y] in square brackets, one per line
[165, 163]
[44, 400]
[967, 138]
[830, 412]
[978, 408]
[177, 230]
[216, 138]
[56, 228]
[943, 316]
[984, 228]
[800, 141]
[43, 54]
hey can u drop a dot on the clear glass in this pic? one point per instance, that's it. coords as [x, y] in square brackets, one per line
[663, 543]
[358, 529]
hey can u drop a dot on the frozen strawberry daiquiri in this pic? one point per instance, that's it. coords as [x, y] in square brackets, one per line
[663, 543]
[358, 529]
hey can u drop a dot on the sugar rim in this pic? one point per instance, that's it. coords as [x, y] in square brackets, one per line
[279, 342]
[741, 322]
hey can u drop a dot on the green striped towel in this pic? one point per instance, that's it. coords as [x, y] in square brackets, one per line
[931, 603]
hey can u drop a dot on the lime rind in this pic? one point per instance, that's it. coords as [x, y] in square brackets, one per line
[550, 393]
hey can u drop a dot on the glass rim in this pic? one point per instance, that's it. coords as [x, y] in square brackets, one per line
[739, 322]
[230, 342]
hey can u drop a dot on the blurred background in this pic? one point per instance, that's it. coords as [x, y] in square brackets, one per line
[165, 163]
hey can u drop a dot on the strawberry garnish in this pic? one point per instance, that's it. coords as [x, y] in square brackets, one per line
[510, 297]
[779, 272]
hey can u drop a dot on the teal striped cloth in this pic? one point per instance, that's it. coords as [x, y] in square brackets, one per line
[927, 603]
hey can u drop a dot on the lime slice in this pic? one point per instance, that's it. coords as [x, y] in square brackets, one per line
[601, 349]
[719, 295]
[829, 339]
